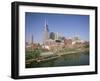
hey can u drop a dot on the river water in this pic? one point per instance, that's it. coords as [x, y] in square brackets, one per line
[66, 60]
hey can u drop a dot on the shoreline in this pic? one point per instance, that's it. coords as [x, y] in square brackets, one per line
[42, 59]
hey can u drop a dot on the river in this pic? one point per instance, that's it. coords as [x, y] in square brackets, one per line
[66, 60]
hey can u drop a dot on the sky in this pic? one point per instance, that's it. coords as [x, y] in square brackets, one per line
[67, 25]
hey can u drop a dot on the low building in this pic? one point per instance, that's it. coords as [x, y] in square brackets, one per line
[32, 46]
[52, 44]
[67, 43]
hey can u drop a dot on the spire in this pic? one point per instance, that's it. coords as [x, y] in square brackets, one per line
[46, 26]
[45, 23]
[46, 32]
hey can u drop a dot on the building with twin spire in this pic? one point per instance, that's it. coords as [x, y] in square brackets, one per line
[50, 39]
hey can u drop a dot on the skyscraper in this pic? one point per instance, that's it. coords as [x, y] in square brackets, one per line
[32, 40]
[56, 36]
[46, 33]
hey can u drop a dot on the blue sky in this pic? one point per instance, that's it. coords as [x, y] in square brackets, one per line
[66, 25]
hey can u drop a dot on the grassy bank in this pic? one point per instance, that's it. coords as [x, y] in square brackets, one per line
[55, 55]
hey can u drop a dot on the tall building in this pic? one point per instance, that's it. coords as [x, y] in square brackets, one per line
[56, 36]
[32, 39]
[52, 35]
[46, 33]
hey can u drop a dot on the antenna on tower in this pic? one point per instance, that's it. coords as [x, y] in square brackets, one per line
[46, 26]
[46, 32]
[45, 22]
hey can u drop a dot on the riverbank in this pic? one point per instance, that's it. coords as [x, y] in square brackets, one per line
[76, 59]
[55, 55]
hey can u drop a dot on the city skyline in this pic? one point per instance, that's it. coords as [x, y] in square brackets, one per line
[66, 25]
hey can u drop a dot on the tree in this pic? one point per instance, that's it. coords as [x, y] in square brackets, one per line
[36, 53]
[52, 35]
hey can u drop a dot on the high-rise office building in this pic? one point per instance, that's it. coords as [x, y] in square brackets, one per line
[46, 33]
[32, 39]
